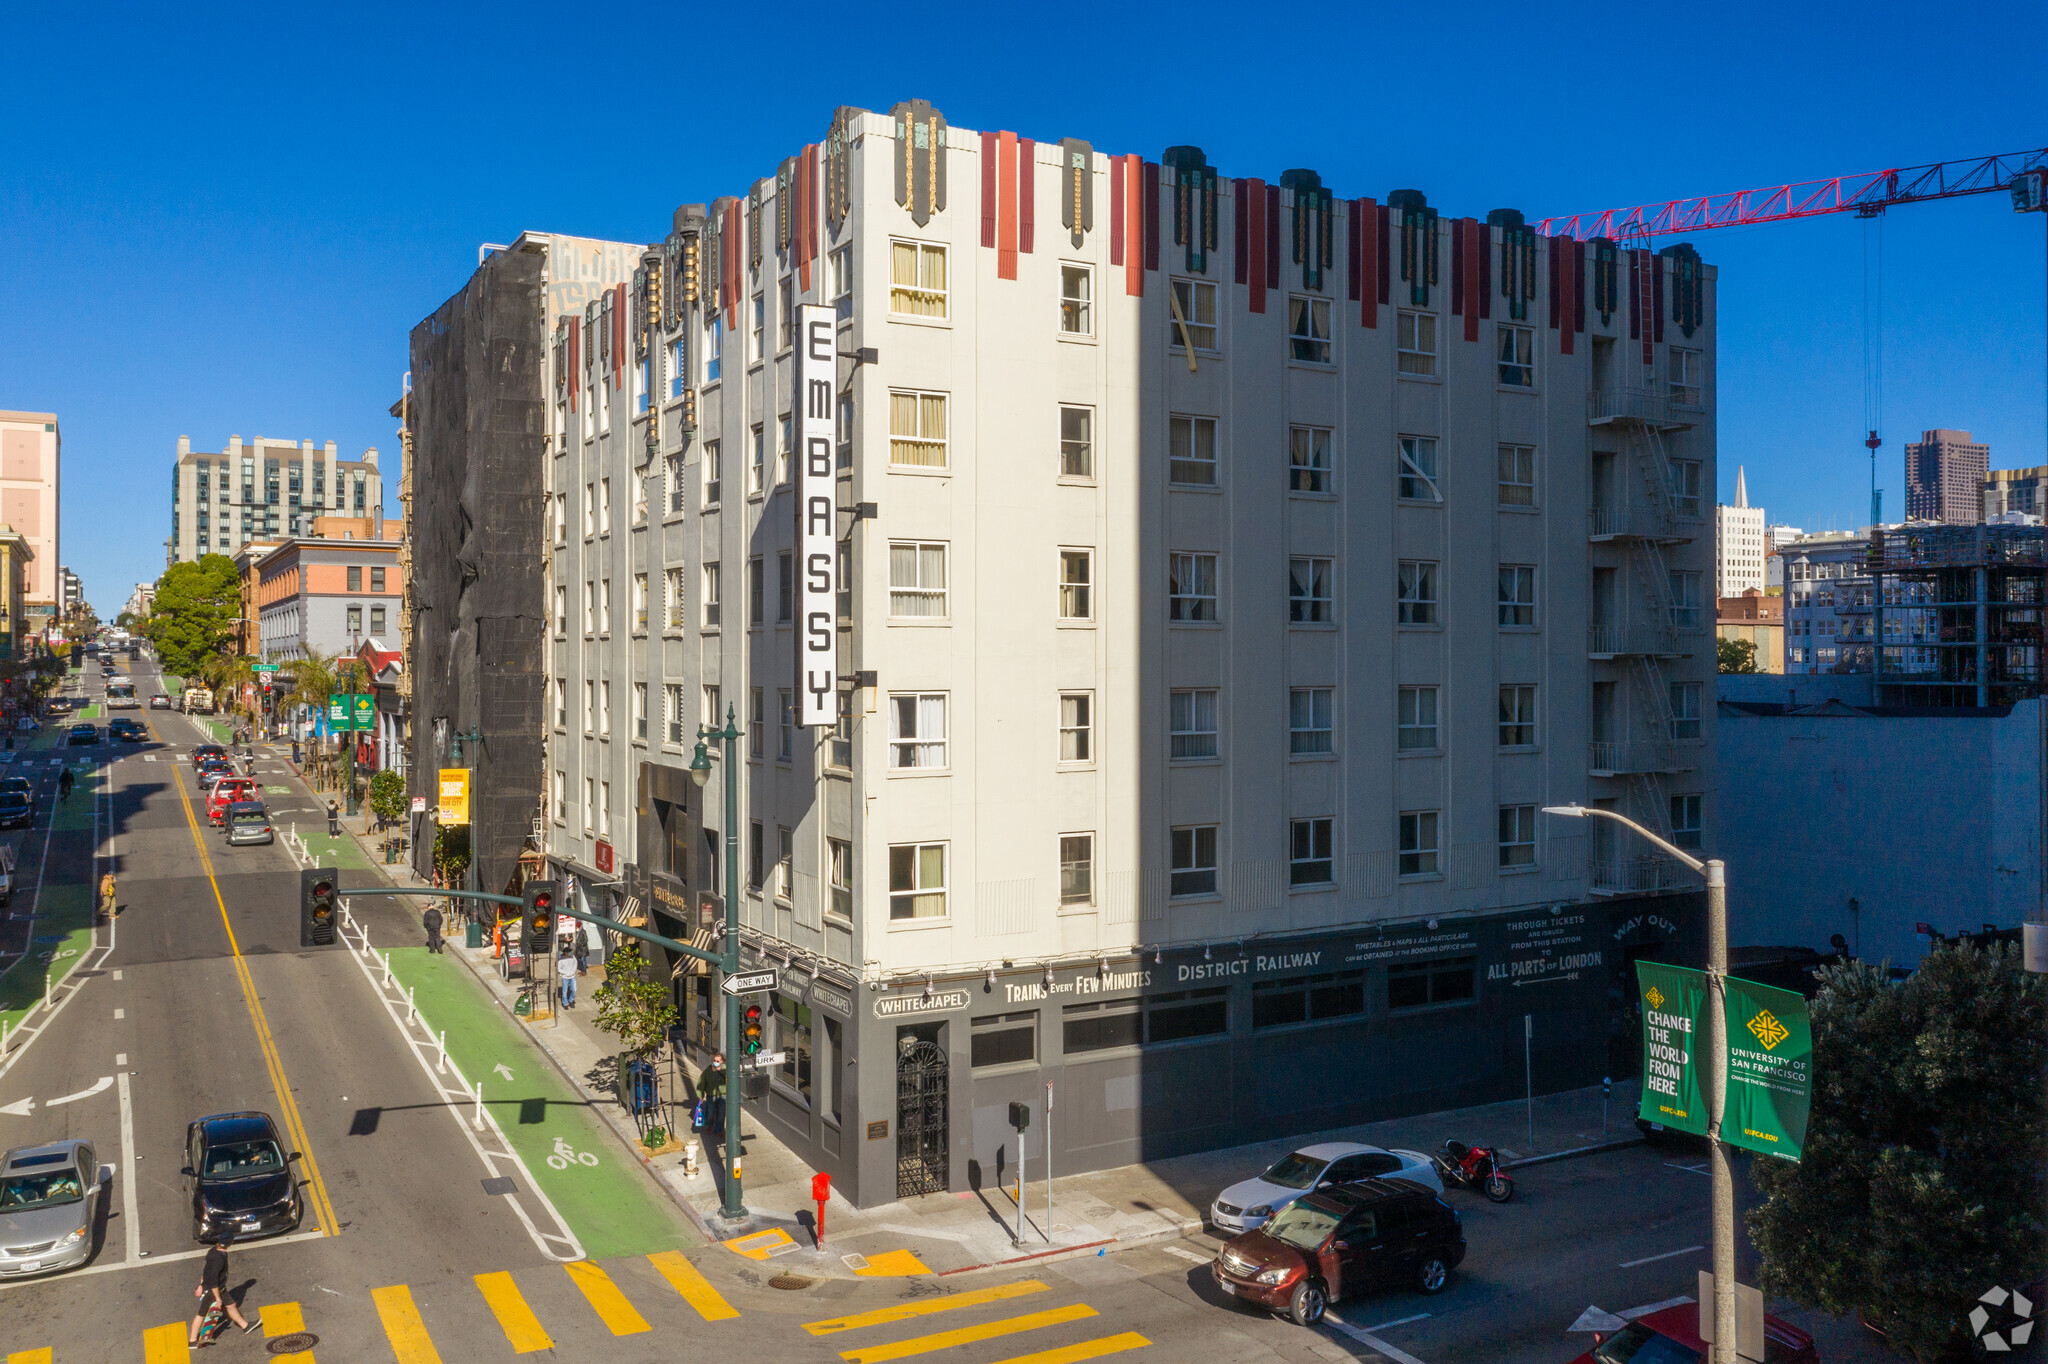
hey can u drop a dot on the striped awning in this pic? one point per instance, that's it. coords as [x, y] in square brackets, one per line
[632, 912]
[704, 940]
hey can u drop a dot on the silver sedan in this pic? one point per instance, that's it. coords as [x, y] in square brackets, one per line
[48, 1195]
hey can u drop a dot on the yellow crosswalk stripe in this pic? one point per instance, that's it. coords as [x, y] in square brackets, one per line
[1087, 1349]
[605, 1299]
[283, 1319]
[924, 1307]
[41, 1356]
[410, 1343]
[968, 1335]
[689, 1281]
[521, 1327]
[165, 1345]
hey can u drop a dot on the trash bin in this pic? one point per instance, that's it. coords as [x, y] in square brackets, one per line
[475, 937]
[636, 1085]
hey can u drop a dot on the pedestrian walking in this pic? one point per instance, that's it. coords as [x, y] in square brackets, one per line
[107, 894]
[333, 820]
[566, 966]
[432, 920]
[582, 951]
[213, 1290]
[711, 1089]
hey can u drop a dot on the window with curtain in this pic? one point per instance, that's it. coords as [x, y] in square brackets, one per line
[917, 429]
[917, 723]
[917, 881]
[917, 579]
[1074, 578]
[1191, 456]
[1310, 719]
[1077, 729]
[917, 279]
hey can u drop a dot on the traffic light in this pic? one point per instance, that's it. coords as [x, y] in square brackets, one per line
[539, 914]
[316, 906]
[750, 1031]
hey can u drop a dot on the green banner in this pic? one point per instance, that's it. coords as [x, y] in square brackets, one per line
[337, 712]
[1770, 1069]
[365, 709]
[1674, 1023]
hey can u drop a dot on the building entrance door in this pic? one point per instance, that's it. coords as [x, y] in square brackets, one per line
[920, 1116]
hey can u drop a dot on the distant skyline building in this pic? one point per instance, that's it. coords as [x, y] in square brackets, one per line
[31, 478]
[1828, 608]
[2015, 490]
[1776, 538]
[265, 488]
[1739, 543]
[1945, 475]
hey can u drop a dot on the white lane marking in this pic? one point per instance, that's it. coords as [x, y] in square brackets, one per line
[131, 1225]
[72, 984]
[99, 1086]
[117, 975]
[1368, 1339]
[115, 1266]
[120, 1058]
[504, 1071]
[1399, 1321]
[120, 1013]
[20, 1108]
[1631, 1313]
[1186, 1254]
[1700, 1169]
[1652, 1259]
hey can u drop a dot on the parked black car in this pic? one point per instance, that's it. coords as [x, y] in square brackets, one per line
[17, 808]
[83, 734]
[241, 1179]
[126, 730]
[1340, 1242]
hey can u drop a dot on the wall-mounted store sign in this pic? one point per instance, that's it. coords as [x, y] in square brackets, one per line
[916, 1005]
[1411, 942]
[831, 998]
[817, 517]
[1545, 947]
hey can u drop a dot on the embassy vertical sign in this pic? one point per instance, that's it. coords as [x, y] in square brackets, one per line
[817, 519]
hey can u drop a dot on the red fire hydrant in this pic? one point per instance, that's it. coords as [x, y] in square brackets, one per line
[821, 1194]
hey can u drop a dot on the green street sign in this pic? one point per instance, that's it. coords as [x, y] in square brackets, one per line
[262, 667]
[1770, 1069]
[365, 710]
[1674, 1025]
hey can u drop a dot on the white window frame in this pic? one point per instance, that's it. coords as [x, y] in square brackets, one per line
[1192, 860]
[1687, 724]
[1517, 714]
[918, 751]
[604, 607]
[1418, 719]
[757, 325]
[917, 297]
[1077, 728]
[589, 510]
[561, 613]
[757, 467]
[589, 707]
[677, 486]
[1191, 588]
[640, 711]
[1077, 452]
[785, 725]
[1311, 721]
[1077, 869]
[1419, 844]
[714, 468]
[604, 506]
[675, 728]
[918, 447]
[714, 610]
[1311, 848]
[1416, 466]
[1192, 457]
[1194, 724]
[1516, 838]
[1416, 597]
[1077, 308]
[1515, 355]
[839, 276]
[589, 609]
[919, 599]
[675, 607]
[1515, 475]
[1309, 470]
[1197, 299]
[1076, 594]
[1308, 330]
[1415, 343]
[920, 899]
[1515, 596]
[1687, 376]
[639, 603]
[604, 709]
[1311, 588]
[1687, 820]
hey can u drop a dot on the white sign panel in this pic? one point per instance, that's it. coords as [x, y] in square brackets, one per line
[817, 519]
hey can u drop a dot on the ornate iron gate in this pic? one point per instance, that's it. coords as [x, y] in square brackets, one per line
[920, 1120]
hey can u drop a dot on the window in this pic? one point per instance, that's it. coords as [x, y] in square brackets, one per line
[561, 518]
[640, 383]
[843, 454]
[355, 620]
[839, 277]
[755, 854]
[1685, 486]
[917, 579]
[1309, 860]
[589, 510]
[1002, 1039]
[1415, 342]
[674, 615]
[589, 804]
[842, 599]
[1685, 710]
[640, 710]
[1517, 350]
[757, 722]
[604, 710]
[785, 857]
[785, 588]
[1415, 592]
[1308, 591]
[1187, 1013]
[1194, 860]
[714, 464]
[604, 507]
[1517, 835]
[604, 607]
[639, 603]
[756, 593]
[561, 611]
[1077, 869]
[1077, 442]
[917, 730]
[1304, 999]
[786, 298]
[1415, 727]
[675, 483]
[1191, 587]
[757, 463]
[1685, 822]
[1102, 1025]
[1192, 724]
[711, 609]
[589, 705]
[1685, 599]
[604, 808]
[1076, 296]
[917, 881]
[561, 801]
[1517, 477]
[714, 349]
[785, 730]
[1414, 985]
[785, 442]
[561, 703]
[672, 712]
[1417, 481]
[1192, 452]
[355, 578]
[1517, 595]
[376, 580]
[1685, 377]
[1077, 727]
[713, 717]
[1193, 304]
[839, 866]
[1308, 459]
[917, 279]
[376, 620]
[917, 430]
[842, 732]
[1517, 716]
[1310, 713]
[678, 368]
[1074, 575]
[1418, 843]
[1308, 329]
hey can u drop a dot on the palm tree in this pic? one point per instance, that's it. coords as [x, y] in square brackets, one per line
[313, 680]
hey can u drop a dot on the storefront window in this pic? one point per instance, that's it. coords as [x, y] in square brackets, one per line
[1276, 1003]
[828, 1069]
[1162, 1018]
[1003, 1039]
[1430, 982]
[793, 1040]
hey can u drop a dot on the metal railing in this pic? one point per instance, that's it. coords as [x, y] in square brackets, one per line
[1639, 875]
[1627, 404]
[1613, 641]
[1616, 757]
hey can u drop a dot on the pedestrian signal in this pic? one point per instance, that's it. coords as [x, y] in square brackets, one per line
[316, 906]
[750, 1034]
[540, 913]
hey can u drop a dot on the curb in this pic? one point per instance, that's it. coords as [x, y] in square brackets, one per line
[1089, 1249]
[1595, 1149]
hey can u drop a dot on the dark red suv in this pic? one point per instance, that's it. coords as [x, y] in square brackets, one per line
[1340, 1242]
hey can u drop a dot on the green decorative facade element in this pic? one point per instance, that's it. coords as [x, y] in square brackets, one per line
[1314, 216]
[1606, 285]
[1194, 204]
[1687, 286]
[1415, 224]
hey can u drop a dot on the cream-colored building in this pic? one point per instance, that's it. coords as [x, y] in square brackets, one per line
[31, 501]
[1739, 544]
[261, 489]
[1229, 573]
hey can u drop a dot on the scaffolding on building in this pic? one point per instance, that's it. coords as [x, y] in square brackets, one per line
[1958, 613]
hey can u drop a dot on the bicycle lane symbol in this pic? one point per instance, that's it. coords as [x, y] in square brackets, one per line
[566, 1155]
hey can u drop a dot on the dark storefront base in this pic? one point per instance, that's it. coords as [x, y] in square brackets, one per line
[1156, 1058]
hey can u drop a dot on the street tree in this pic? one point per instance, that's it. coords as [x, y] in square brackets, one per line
[1736, 655]
[196, 605]
[636, 1009]
[387, 796]
[1918, 1189]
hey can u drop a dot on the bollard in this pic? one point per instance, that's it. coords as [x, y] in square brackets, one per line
[478, 1121]
[411, 1014]
[3, 1037]
[440, 1068]
[387, 970]
[46, 987]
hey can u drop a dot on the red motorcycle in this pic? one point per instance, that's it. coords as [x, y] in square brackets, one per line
[1466, 1165]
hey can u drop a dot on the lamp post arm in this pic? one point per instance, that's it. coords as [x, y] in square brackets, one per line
[1671, 848]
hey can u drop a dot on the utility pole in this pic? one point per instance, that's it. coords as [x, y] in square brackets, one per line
[732, 1209]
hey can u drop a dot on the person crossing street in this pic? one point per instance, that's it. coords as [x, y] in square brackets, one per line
[213, 1290]
[432, 921]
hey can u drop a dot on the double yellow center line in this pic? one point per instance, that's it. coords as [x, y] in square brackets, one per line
[294, 1125]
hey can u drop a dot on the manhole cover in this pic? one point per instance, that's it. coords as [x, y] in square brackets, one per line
[298, 1342]
[789, 1281]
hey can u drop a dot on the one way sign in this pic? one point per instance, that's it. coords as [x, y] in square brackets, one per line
[752, 982]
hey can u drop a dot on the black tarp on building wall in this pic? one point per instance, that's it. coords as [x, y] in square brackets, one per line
[479, 370]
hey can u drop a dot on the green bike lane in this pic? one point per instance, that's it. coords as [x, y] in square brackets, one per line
[61, 933]
[573, 1157]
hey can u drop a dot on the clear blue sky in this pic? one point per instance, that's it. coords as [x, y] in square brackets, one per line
[223, 220]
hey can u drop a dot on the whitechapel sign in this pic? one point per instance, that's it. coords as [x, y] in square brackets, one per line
[817, 520]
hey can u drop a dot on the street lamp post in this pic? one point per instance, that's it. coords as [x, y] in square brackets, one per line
[732, 1210]
[1716, 874]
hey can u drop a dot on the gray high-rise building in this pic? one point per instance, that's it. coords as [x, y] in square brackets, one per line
[262, 488]
[1945, 477]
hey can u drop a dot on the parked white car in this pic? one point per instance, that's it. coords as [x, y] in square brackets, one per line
[1247, 1204]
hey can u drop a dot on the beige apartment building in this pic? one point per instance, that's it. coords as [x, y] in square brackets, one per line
[263, 489]
[1229, 571]
[31, 501]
